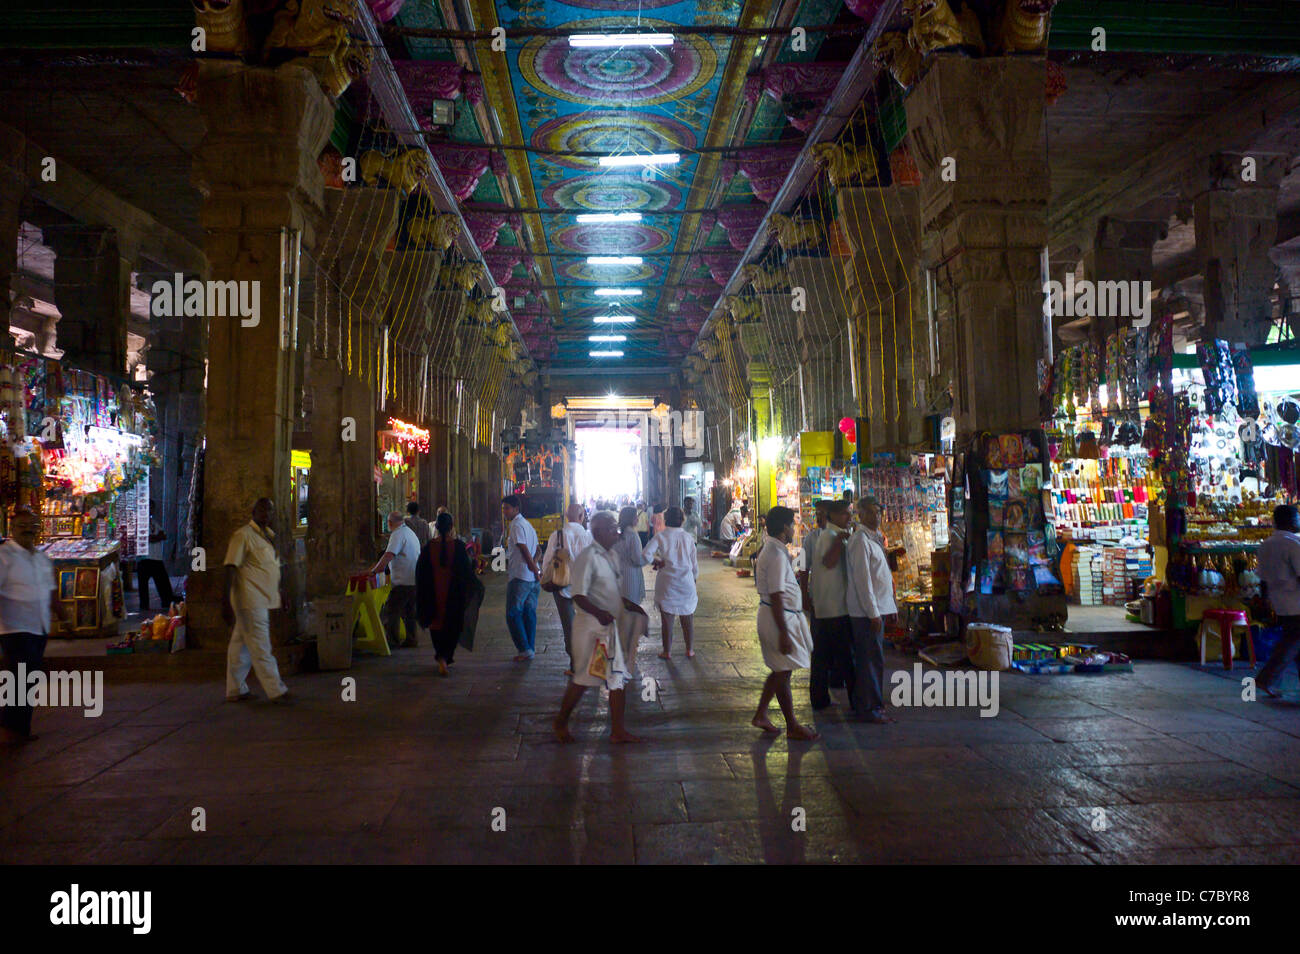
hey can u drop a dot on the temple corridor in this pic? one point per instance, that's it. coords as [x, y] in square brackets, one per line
[412, 771]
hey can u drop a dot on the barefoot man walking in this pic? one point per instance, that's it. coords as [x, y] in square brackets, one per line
[598, 600]
[782, 630]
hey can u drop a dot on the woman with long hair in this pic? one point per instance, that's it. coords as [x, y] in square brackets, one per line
[444, 576]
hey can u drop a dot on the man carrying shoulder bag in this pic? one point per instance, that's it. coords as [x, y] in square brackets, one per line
[562, 548]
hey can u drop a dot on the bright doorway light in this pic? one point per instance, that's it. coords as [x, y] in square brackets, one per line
[608, 41]
[608, 465]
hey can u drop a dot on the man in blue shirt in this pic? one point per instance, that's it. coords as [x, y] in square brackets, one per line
[523, 587]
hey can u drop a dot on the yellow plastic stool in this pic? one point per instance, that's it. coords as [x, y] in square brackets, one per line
[365, 605]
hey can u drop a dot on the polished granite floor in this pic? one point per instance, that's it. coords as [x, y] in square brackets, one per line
[419, 768]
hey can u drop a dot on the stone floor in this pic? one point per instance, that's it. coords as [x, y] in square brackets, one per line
[417, 767]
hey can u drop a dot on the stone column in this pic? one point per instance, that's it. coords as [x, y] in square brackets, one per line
[342, 504]
[976, 129]
[92, 289]
[1234, 199]
[13, 195]
[463, 506]
[257, 170]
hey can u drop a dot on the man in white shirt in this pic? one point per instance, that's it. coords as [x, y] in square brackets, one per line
[828, 587]
[674, 553]
[870, 599]
[27, 595]
[1279, 570]
[522, 586]
[599, 599]
[691, 523]
[731, 524]
[573, 538]
[433, 527]
[252, 591]
[399, 559]
[809, 541]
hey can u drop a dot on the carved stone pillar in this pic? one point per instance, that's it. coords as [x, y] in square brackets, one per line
[1234, 199]
[13, 194]
[342, 504]
[257, 170]
[975, 128]
[92, 289]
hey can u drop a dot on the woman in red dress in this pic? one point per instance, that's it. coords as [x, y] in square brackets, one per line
[444, 578]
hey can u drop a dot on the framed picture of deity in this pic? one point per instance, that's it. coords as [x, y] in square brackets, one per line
[87, 585]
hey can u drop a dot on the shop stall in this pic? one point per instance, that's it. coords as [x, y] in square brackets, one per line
[1234, 449]
[1104, 480]
[1002, 551]
[78, 449]
[912, 495]
[397, 473]
[1167, 469]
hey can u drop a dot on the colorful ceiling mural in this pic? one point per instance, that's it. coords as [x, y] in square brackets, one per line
[556, 108]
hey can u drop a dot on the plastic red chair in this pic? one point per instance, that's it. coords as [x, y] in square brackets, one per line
[1226, 621]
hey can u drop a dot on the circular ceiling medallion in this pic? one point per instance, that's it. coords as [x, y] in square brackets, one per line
[612, 274]
[610, 133]
[626, 76]
[611, 239]
[616, 193]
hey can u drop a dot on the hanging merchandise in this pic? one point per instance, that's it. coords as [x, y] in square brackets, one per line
[1220, 375]
[1230, 463]
[77, 451]
[913, 514]
[1004, 550]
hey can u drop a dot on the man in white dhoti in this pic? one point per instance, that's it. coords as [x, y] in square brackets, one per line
[674, 554]
[572, 539]
[599, 603]
[782, 629]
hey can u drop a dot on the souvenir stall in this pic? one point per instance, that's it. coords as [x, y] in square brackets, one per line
[913, 498]
[397, 473]
[824, 473]
[1001, 546]
[79, 452]
[785, 479]
[741, 488]
[779, 479]
[1233, 446]
[1104, 480]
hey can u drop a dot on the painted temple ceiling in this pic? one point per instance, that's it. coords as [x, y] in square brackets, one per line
[555, 108]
